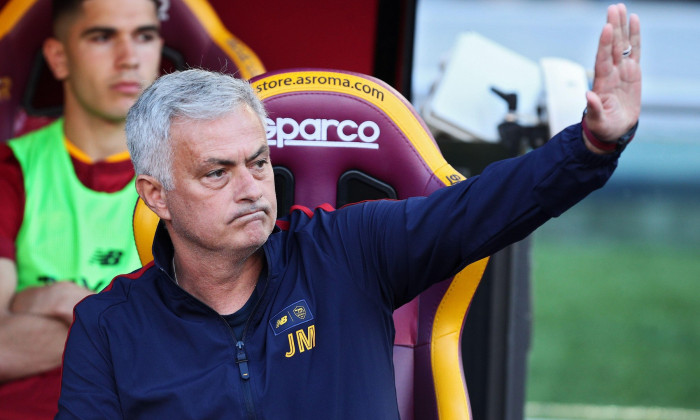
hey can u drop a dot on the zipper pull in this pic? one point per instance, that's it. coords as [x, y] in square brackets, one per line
[242, 361]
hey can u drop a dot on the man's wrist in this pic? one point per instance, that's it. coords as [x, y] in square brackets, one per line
[608, 146]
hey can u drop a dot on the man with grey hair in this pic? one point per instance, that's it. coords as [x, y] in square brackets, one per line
[148, 127]
[201, 332]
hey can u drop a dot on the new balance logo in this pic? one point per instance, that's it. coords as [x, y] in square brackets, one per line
[110, 257]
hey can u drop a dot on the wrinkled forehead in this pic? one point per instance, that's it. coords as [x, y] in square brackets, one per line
[240, 129]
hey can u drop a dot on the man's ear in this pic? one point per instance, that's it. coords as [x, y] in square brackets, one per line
[55, 56]
[153, 194]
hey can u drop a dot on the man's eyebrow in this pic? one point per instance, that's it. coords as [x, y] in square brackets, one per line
[98, 30]
[217, 161]
[264, 148]
[148, 28]
[227, 162]
[109, 30]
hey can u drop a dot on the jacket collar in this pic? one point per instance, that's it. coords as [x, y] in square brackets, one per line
[187, 306]
[163, 250]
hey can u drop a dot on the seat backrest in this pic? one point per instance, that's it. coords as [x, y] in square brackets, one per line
[339, 137]
[30, 97]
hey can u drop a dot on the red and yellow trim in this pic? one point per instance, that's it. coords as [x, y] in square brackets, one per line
[245, 59]
[452, 401]
[78, 154]
[12, 13]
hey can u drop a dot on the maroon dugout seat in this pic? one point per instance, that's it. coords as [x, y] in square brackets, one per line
[30, 97]
[339, 137]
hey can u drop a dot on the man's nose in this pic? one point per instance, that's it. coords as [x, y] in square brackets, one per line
[126, 56]
[248, 187]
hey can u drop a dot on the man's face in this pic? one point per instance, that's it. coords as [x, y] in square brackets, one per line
[112, 52]
[223, 199]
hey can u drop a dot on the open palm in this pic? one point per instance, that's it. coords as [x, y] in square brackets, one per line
[614, 103]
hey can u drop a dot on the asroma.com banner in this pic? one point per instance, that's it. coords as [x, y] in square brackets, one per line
[320, 81]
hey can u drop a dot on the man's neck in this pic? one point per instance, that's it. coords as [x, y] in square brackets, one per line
[97, 137]
[222, 282]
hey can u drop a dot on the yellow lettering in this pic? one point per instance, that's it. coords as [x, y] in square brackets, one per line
[306, 342]
[292, 350]
[5, 86]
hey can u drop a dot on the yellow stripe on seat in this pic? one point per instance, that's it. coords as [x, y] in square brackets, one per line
[452, 401]
[11, 13]
[245, 59]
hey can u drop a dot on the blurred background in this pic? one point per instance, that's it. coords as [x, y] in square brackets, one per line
[597, 315]
[616, 300]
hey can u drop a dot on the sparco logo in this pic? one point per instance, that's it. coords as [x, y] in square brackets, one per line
[322, 133]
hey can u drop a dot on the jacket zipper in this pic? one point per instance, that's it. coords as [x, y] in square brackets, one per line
[242, 362]
[241, 357]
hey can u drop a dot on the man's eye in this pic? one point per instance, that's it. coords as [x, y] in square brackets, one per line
[216, 174]
[147, 36]
[261, 163]
[99, 38]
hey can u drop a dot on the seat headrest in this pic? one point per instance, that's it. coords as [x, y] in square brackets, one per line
[193, 34]
[324, 123]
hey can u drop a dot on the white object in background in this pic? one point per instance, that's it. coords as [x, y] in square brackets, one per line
[462, 104]
[565, 86]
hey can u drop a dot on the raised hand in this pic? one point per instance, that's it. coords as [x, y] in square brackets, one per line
[615, 101]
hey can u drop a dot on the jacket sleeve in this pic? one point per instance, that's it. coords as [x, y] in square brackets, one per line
[87, 383]
[408, 245]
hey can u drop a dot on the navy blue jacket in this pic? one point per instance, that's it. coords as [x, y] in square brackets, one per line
[318, 344]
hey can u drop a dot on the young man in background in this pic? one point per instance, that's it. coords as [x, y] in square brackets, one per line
[67, 193]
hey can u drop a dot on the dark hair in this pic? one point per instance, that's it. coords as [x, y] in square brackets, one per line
[61, 8]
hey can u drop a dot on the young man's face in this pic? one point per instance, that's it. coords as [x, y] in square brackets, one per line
[223, 199]
[111, 53]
